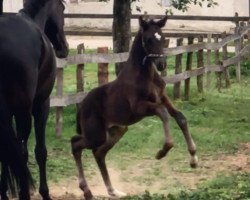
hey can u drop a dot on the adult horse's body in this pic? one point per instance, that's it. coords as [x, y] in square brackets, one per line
[137, 92]
[27, 74]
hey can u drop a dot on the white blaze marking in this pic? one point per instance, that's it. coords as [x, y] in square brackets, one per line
[157, 36]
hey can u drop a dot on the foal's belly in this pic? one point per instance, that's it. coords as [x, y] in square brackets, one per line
[120, 114]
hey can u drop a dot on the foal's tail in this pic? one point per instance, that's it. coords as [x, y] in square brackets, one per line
[16, 172]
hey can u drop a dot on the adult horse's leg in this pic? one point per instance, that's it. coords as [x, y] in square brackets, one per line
[114, 135]
[182, 122]
[40, 112]
[3, 182]
[13, 165]
[23, 121]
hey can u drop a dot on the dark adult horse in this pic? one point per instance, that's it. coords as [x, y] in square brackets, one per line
[1, 7]
[137, 92]
[27, 74]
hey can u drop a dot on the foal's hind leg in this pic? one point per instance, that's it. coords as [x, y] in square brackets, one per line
[114, 135]
[91, 135]
[78, 143]
[182, 122]
[40, 113]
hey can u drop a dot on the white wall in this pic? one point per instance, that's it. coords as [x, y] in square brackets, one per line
[225, 8]
[12, 5]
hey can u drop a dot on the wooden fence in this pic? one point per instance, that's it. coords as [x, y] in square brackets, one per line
[236, 19]
[198, 46]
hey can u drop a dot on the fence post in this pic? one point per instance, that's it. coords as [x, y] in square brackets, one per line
[79, 73]
[178, 69]
[166, 45]
[102, 68]
[224, 57]
[236, 19]
[209, 38]
[237, 53]
[217, 62]
[200, 63]
[248, 37]
[59, 93]
[188, 67]
[242, 25]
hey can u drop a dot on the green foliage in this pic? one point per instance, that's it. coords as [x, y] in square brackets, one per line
[222, 188]
[245, 68]
[220, 119]
[184, 5]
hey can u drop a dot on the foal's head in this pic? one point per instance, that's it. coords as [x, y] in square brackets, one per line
[54, 27]
[153, 41]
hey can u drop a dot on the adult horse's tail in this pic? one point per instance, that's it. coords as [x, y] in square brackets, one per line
[15, 173]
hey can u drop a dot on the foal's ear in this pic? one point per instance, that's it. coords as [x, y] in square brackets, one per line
[143, 23]
[161, 23]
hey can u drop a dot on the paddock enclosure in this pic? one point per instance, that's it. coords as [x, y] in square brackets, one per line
[211, 52]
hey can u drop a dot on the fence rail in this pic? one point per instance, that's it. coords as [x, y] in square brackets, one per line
[122, 57]
[199, 69]
[235, 18]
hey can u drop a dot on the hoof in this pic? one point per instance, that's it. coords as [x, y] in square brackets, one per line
[88, 196]
[194, 162]
[48, 198]
[161, 154]
[117, 193]
[4, 197]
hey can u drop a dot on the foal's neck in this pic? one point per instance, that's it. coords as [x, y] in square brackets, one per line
[137, 53]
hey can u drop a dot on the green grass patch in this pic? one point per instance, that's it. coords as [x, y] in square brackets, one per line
[221, 188]
[218, 122]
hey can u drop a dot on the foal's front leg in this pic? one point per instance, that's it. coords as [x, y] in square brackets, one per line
[148, 108]
[182, 122]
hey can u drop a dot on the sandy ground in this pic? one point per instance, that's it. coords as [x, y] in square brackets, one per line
[135, 179]
[89, 41]
[93, 42]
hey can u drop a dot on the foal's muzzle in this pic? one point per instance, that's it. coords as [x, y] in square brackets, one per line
[158, 59]
[160, 63]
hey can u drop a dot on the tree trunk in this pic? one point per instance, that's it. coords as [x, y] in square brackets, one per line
[121, 28]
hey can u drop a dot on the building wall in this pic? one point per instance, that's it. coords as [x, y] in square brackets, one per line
[12, 5]
[225, 8]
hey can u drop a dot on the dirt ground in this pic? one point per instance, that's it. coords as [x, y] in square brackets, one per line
[163, 180]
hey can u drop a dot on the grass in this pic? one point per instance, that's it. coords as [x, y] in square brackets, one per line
[218, 121]
[221, 188]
